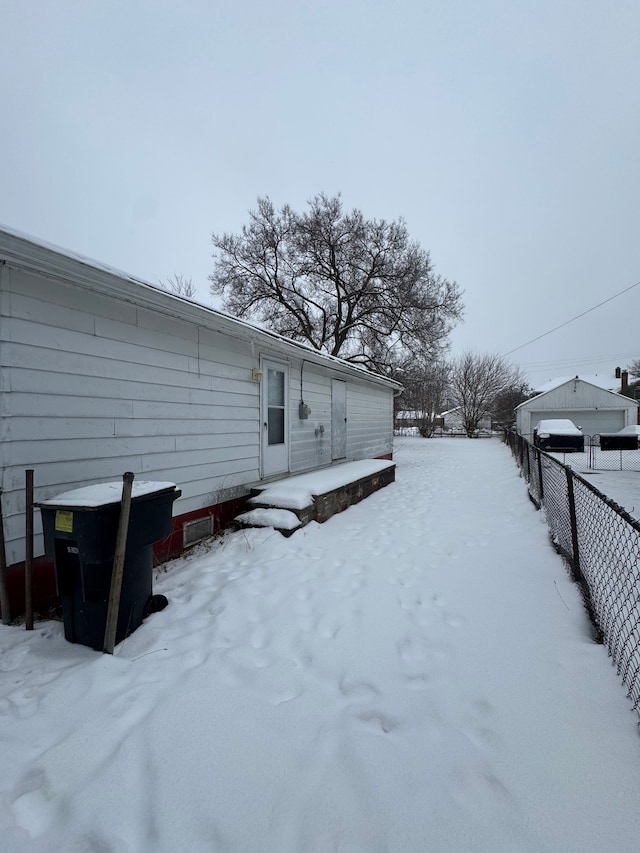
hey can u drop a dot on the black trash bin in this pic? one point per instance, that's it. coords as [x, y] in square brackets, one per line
[80, 529]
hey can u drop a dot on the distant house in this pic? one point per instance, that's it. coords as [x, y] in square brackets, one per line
[593, 408]
[102, 373]
[629, 385]
[452, 421]
[411, 419]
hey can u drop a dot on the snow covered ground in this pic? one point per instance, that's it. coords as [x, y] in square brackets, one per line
[417, 674]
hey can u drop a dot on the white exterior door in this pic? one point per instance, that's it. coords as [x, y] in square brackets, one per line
[338, 419]
[275, 418]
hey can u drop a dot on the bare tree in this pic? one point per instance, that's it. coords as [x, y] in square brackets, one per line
[180, 285]
[503, 406]
[349, 286]
[426, 389]
[476, 380]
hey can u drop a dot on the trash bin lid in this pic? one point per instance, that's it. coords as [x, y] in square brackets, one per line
[102, 494]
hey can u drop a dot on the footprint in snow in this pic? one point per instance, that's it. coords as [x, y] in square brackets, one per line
[329, 631]
[379, 721]
[357, 689]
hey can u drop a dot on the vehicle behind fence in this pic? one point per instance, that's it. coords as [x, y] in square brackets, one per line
[606, 452]
[613, 453]
[600, 542]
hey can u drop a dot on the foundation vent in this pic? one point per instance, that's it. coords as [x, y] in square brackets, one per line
[197, 530]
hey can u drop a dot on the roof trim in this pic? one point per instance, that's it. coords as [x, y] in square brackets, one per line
[22, 251]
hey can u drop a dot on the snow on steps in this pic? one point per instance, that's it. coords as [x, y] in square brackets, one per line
[292, 502]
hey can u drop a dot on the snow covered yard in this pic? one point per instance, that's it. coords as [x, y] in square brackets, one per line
[417, 674]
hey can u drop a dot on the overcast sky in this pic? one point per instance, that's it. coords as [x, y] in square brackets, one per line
[506, 133]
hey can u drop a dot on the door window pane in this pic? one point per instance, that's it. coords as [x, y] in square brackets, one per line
[276, 387]
[275, 420]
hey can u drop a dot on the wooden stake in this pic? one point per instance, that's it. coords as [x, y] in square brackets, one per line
[28, 558]
[4, 592]
[118, 565]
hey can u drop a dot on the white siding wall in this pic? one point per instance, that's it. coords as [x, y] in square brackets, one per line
[310, 437]
[369, 421]
[369, 418]
[91, 388]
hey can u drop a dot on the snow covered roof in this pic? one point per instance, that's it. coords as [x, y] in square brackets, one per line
[602, 385]
[607, 383]
[28, 252]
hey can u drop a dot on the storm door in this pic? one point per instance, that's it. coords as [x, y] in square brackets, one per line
[275, 418]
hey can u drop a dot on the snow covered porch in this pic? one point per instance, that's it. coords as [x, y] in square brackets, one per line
[290, 503]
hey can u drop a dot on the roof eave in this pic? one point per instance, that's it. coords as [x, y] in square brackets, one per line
[25, 252]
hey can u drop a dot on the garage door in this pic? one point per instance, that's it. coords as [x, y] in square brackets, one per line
[592, 423]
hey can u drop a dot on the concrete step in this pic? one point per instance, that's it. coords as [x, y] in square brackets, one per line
[291, 502]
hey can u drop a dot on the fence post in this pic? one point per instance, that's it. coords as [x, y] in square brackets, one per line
[574, 525]
[539, 455]
[528, 448]
[576, 568]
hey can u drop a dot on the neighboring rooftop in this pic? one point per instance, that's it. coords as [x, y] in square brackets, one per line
[608, 383]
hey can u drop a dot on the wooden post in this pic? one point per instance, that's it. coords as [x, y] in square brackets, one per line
[28, 556]
[4, 592]
[118, 565]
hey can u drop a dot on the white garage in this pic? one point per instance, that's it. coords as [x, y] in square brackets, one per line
[594, 409]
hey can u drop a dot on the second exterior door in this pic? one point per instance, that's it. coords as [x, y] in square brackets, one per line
[338, 419]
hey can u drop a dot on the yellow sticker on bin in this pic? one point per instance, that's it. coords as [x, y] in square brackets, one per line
[64, 521]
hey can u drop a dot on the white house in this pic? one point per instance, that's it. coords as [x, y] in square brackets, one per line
[453, 421]
[102, 373]
[589, 406]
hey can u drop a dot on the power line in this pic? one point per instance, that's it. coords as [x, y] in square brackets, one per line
[587, 359]
[573, 319]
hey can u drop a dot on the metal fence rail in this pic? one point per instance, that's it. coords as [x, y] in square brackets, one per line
[600, 542]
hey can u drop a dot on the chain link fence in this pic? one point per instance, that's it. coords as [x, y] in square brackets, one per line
[605, 453]
[600, 543]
